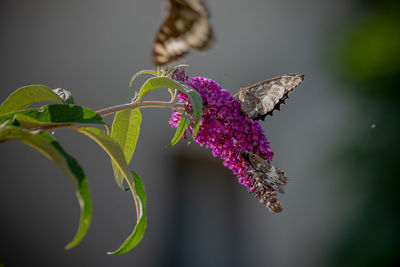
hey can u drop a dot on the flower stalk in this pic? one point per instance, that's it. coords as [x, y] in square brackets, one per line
[144, 104]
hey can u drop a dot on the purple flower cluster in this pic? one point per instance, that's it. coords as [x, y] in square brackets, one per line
[224, 128]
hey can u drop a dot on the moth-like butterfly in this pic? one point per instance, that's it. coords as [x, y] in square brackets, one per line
[268, 180]
[185, 27]
[263, 98]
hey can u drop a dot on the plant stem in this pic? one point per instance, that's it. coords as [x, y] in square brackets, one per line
[144, 104]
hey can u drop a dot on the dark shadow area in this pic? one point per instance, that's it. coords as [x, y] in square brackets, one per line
[368, 59]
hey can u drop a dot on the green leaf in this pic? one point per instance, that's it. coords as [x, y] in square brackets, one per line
[141, 224]
[125, 130]
[27, 122]
[193, 95]
[157, 83]
[26, 96]
[48, 146]
[197, 105]
[58, 114]
[65, 95]
[180, 130]
[152, 72]
[169, 73]
[113, 149]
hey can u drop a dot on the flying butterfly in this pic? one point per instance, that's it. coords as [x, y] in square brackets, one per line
[263, 98]
[268, 179]
[185, 27]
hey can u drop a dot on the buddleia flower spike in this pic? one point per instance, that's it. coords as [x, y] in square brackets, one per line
[234, 137]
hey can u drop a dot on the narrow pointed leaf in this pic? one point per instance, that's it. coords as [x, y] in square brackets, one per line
[180, 130]
[58, 114]
[152, 72]
[48, 146]
[125, 130]
[193, 95]
[197, 105]
[141, 224]
[113, 149]
[26, 96]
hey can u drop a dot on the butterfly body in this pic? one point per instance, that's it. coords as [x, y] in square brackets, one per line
[263, 98]
[185, 27]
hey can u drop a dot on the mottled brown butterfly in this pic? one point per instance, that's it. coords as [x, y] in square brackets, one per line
[268, 180]
[185, 27]
[263, 98]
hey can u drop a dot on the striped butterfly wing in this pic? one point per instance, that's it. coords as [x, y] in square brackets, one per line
[273, 176]
[186, 27]
[263, 98]
[268, 180]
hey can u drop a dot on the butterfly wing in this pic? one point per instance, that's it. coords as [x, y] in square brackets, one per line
[269, 173]
[263, 98]
[267, 180]
[186, 27]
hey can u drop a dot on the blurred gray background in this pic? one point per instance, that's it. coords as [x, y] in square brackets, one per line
[198, 215]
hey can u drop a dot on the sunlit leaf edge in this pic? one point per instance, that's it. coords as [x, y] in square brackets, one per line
[134, 76]
[138, 232]
[25, 96]
[58, 114]
[126, 131]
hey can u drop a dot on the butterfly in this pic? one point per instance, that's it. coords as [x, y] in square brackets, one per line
[268, 180]
[185, 27]
[263, 98]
